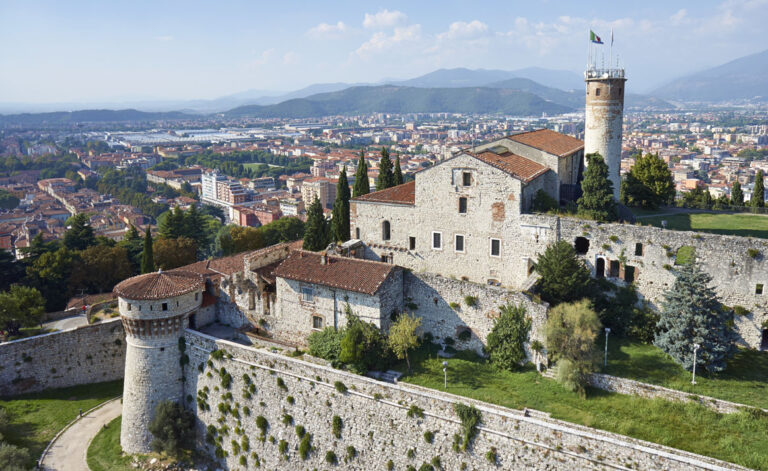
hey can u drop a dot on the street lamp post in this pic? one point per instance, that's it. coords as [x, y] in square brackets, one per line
[605, 361]
[696, 347]
[445, 375]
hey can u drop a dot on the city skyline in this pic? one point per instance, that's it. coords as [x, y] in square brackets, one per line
[90, 52]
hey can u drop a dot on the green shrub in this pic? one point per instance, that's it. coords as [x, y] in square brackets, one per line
[305, 446]
[426, 467]
[436, 462]
[336, 425]
[172, 428]
[351, 454]
[415, 411]
[390, 465]
[340, 387]
[281, 384]
[262, 424]
[470, 418]
[470, 301]
[685, 255]
[613, 238]
[492, 456]
[243, 460]
[287, 419]
[282, 447]
[740, 310]
[290, 400]
[543, 203]
[300, 431]
[330, 457]
[753, 253]
[454, 305]
[668, 267]
[429, 436]
[326, 343]
[411, 453]
[505, 342]
[217, 354]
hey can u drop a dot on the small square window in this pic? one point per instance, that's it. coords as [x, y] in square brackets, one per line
[129, 306]
[459, 243]
[317, 322]
[466, 178]
[411, 243]
[437, 240]
[462, 205]
[597, 92]
[759, 288]
[495, 247]
[307, 294]
[165, 306]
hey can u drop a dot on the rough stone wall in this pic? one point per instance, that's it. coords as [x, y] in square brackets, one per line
[375, 422]
[431, 296]
[88, 354]
[603, 124]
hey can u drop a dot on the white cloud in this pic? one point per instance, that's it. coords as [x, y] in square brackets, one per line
[290, 58]
[464, 30]
[678, 17]
[262, 59]
[326, 30]
[384, 19]
[381, 41]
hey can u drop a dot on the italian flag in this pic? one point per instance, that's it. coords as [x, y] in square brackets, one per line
[594, 38]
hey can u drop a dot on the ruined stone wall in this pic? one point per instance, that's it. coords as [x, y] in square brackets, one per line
[430, 296]
[287, 392]
[88, 354]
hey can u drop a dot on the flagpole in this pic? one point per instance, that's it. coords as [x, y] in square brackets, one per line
[610, 60]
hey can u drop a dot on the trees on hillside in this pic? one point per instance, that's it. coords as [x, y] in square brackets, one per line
[316, 233]
[571, 331]
[386, 177]
[101, 267]
[79, 235]
[362, 185]
[737, 195]
[506, 341]
[11, 270]
[649, 183]
[758, 194]
[564, 276]
[50, 275]
[402, 336]
[132, 243]
[340, 221]
[692, 314]
[20, 306]
[596, 201]
[147, 255]
[8, 200]
[174, 253]
[397, 178]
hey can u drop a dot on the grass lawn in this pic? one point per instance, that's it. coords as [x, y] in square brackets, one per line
[739, 438]
[105, 453]
[741, 224]
[35, 418]
[744, 381]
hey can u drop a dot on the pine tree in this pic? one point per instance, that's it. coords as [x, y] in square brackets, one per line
[194, 223]
[386, 177]
[564, 277]
[758, 195]
[649, 183]
[691, 314]
[737, 196]
[316, 235]
[172, 225]
[147, 257]
[362, 186]
[340, 222]
[398, 173]
[597, 201]
[132, 243]
[79, 235]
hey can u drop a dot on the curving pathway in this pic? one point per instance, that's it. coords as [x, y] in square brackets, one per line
[67, 452]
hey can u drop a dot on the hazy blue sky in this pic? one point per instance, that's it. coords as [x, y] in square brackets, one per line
[58, 51]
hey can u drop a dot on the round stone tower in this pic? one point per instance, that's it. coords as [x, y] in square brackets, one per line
[154, 308]
[604, 119]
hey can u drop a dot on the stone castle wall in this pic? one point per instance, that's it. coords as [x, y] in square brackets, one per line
[287, 392]
[88, 354]
[430, 296]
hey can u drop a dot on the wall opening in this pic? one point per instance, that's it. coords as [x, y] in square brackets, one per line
[600, 268]
[385, 230]
[357, 233]
[764, 342]
[317, 322]
[411, 243]
[614, 269]
[466, 178]
[759, 288]
[639, 249]
[192, 321]
[581, 244]
[165, 306]
[629, 273]
[462, 205]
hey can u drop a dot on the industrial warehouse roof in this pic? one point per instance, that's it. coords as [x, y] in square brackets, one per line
[400, 194]
[513, 164]
[351, 274]
[549, 141]
[160, 285]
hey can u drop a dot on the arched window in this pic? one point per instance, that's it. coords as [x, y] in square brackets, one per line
[385, 230]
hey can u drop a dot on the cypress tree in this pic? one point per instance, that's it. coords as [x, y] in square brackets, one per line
[597, 201]
[691, 314]
[398, 173]
[737, 196]
[316, 235]
[758, 195]
[362, 186]
[147, 257]
[340, 222]
[386, 177]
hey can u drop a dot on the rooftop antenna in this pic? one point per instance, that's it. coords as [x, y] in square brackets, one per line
[610, 59]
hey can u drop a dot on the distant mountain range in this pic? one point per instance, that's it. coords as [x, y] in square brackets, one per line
[59, 118]
[745, 78]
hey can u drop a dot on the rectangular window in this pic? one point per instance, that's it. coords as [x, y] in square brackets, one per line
[462, 205]
[759, 288]
[615, 266]
[307, 294]
[638, 249]
[317, 322]
[495, 247]
[597, 92]
[459, 243]
[411, 243]
[437, 240]
[466, 179]
[129, 306]
[165, 306]
[197, 296]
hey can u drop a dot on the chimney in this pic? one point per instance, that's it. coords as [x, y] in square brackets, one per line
[323, 259]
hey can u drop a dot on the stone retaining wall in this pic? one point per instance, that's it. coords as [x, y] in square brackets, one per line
[375, 424]
[87, 354]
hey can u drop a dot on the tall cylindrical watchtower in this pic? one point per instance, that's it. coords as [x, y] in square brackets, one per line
[154, 308]
[604, 119]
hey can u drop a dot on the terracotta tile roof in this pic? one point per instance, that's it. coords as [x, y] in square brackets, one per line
[160, 285]
[351, 274]
[400, 194]
[549, 141]
[515, 165]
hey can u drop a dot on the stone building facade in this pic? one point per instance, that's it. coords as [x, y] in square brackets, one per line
[155, 309]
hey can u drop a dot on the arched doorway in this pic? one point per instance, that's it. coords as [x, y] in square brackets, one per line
[600, 268]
